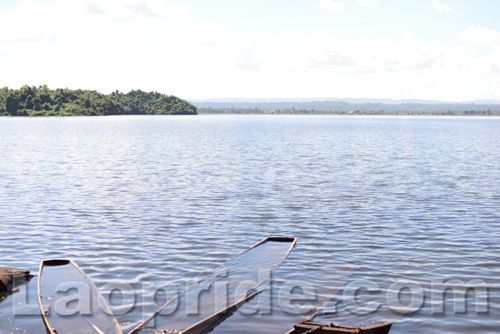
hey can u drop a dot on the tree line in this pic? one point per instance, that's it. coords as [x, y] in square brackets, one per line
[342, 107]
[42, 101]
[295, 111]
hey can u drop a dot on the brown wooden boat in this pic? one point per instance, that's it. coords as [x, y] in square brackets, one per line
[254, 266]
[92, 315]
[309, 327]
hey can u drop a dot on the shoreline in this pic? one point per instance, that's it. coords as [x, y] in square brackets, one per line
[265, 114]
[347, 114]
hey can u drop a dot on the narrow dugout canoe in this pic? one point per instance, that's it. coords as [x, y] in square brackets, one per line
[297, 297]
[317, 328]
[70, 303]
[251, 268]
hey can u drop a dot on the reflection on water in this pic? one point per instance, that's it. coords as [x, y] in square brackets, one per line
[146, 200]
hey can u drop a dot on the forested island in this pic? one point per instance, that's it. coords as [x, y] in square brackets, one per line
[42, 101]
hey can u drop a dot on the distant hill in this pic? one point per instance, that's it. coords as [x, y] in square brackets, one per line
[42, 101]
[332, 99]
[346, 106]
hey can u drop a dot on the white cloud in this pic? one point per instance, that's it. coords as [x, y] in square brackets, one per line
[367, 2]
[488, 61]
[364, 55]
[440, 7]
[106, 45]
[321, 65]
[328, 4]
[480, 36]
[144, 44]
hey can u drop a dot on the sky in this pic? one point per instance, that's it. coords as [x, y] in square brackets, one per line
[207, 49]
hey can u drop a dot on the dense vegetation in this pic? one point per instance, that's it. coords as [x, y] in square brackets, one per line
[42, 101]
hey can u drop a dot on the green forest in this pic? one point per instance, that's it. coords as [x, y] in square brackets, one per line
[42, 101]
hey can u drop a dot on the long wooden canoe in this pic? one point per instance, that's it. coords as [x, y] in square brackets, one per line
[70, 303]
[303, 293]
[310, 327]
[211, 300]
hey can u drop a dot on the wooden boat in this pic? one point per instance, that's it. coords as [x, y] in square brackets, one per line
[88, 312]
[318, 328]
[254, 266]
[69, 313]
[323, 280]
[277, 311]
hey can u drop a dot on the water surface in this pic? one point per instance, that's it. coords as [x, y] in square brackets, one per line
[144, 200]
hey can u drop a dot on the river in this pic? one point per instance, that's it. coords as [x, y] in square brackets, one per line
[407, 202]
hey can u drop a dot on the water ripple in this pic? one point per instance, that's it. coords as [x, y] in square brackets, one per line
[142, 200]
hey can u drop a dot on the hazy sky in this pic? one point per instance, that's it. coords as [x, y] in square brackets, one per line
[426, 49]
